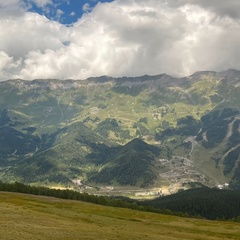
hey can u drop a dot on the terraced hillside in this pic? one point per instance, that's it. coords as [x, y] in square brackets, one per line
[77, 133]
[34, 217]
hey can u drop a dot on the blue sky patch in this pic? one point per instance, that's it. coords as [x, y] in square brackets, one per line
[65, 11]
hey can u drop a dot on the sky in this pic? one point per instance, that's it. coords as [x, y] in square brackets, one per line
[77, 39]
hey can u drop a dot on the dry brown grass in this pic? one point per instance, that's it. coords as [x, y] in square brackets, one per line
[25, 217]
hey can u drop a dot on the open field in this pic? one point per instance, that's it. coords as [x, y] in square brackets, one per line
[35, 217]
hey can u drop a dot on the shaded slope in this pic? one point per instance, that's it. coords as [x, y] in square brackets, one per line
[65, 159]
[204, 202]
[131, 164]
[15, 142]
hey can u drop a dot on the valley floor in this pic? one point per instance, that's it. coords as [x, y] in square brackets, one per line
[39, 218]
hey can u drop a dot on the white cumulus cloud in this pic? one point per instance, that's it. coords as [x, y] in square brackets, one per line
[86, 7]
[122, 38]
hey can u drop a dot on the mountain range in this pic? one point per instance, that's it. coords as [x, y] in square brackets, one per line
[144, 132]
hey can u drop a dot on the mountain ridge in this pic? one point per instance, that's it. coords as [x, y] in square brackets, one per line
[194, 117]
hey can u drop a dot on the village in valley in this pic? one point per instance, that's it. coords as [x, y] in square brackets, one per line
[177, 174]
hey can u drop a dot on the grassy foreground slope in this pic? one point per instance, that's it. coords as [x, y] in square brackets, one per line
[33, 217]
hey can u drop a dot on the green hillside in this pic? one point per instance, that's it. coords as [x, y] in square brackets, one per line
[34, 217]
[59, 133]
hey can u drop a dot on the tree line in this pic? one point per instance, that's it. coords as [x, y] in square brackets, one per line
[85, 197]
[209, 203]
[213, 204]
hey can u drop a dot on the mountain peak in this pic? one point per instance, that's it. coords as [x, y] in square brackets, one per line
[199, 74]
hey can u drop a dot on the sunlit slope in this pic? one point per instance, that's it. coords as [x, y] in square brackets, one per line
[139, 105]
[30, 217]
